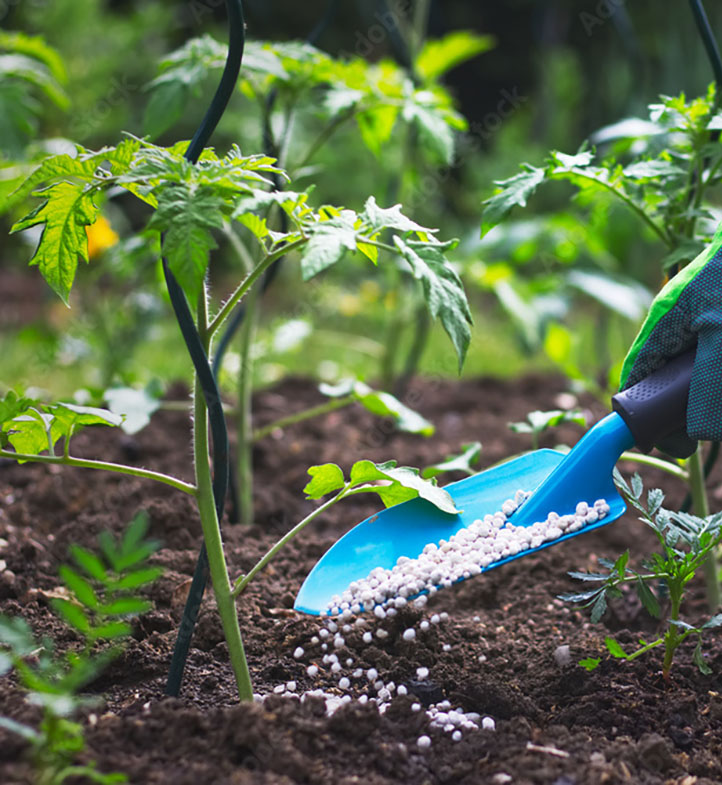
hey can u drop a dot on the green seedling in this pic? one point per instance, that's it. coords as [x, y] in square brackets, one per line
[685, 541]
[537, 422]
[470, 454]
[189, 202]
[101, 597]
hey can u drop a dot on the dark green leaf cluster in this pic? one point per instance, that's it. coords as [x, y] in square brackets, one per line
[378, 96]
[394, 484]
[192, 201]
[685, 543]
[659, 168]
[101, 595]
[32, 427]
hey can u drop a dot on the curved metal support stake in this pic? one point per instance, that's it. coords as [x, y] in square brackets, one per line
[236, 24]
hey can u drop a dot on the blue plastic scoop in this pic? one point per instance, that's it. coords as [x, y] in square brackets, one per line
[646, 412]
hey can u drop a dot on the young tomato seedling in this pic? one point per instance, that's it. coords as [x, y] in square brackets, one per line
[686, 541]
[102, 596]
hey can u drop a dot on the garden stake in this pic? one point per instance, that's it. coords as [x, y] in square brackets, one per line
[211, 406]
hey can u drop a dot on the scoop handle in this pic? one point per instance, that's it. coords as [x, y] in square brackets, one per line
[657, 406]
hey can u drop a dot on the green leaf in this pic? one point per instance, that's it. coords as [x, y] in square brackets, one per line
[111, 631]
[92, 565]
[581, 596]
[135, 580]
[637, 485]
[125, 606]
[588, 576]
[406, 483]
[390, 218]
[510, 193]
[590, 663]
[438, 57]
[621, 564]
[715, 621]
[185, 216]
[328, 243]
[599, 607]
[462, 462]
[648, 599]
[699, 660]
[31, 433]
[615, 649]
[67, 210]
[325, 478]
[72, 614]
[443, 290]
[376, 126]
[78, 586]
[654, 168]
[434, 130]
[88, 415]
[384, 404]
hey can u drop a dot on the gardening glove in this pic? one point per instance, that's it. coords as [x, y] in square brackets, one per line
[686, 312]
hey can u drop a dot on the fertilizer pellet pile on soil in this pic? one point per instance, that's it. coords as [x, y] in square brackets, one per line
[384, 593]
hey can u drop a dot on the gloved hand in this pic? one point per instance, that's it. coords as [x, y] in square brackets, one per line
[687, 311]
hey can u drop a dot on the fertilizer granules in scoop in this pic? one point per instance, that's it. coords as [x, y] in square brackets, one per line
[468, 552]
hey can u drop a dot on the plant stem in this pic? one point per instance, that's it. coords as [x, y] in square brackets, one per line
[700, 506]
[119, 468]
[248, 282]
[657, 463]
[244, 580]
[212, 530]
[244, 419]
[326, 133]
[306, 414]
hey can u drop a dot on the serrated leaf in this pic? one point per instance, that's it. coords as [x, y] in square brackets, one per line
[185, 216]
[406, 483]
[67, 210]
[512, 192]
[78, 586]
[390, 218]
[257, 225]
[654, 168]
[456, 463]
[655, 498]
[437, 57]
[325, 478]
[434, 131]
[581, 596]
[588, 576]
[590, 663]
[443, 290]
[621, 564]
[328, 243]
[637, 486]
[648, 599]
[615, 649]
[384, 404]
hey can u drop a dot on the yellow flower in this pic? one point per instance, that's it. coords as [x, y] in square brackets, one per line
[100, 237]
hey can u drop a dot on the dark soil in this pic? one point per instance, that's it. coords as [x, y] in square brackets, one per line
[561, 725]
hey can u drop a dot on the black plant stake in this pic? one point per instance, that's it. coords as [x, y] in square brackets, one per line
[236, 25]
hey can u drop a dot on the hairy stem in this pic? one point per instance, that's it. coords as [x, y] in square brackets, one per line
[244, 420]
[119, 468]
[212, 530]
